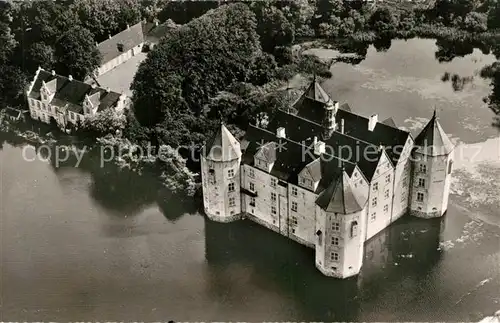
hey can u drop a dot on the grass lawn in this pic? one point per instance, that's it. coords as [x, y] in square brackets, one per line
[120, 78]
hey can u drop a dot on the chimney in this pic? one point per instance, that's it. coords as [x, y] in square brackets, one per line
[53, 73]
[109, 36]
[342, 126]
[156, 22]
[315, 141]
[108, 89]
[336, 106]
[70, 78]
[128, 27]
[93, 85]
[319, 147]
[372, 122]
[280, 132]
[96, 44]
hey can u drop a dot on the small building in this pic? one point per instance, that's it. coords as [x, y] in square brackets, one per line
[13, 114]
[120, 48]
[66, 100]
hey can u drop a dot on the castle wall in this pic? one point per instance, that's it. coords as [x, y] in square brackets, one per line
[302, 219]
[379, 209]
[402, 179]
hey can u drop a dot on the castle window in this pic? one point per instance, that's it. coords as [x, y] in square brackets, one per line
[251, 186]
[354, 229]
[386, 194]
[232, 201]
[273, 197]
[294, 206]
[423, 168]
[230, 173]
[334, 256]
[421, 182]
[388, 178]
[403, 197]
[374, 202]
[405, 181]
[386, 208]
[231, 187]
[336, 226]
[273, 182]
[273, 209]
[252, 201]
[295, 221]
[375, 187]
[356, 175]
[450, 166]
[251, 173]
[373, 216]
[335, 241]
[294, 191]
[420, 197]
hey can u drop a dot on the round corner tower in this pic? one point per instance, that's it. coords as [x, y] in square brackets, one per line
[220, 173]
[432, 164]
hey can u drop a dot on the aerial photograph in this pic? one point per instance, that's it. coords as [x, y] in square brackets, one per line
[250, 161]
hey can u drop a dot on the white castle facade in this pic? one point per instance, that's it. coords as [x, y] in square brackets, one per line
[326, 177]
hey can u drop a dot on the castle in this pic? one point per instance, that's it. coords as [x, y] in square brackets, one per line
[326, 177]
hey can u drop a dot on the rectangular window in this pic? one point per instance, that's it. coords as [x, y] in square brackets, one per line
[336, 226]
[375, 187]
[388, 178]
[386, 208]
[420, 197]
[302, 181]
[374, 202]
[335, 241]
[450, 166]
[273, 196]
[251, 186]
[421, 182]
[252, 201]
[295, 221]
[230, 173]
[386, 194]
[354, 229]
[423, 168]
[294, 191]
[231, 187]
[251, 173]
[273, 209]
[294, 206]
[232, 201]
[373, 216]
[273, 182]
[334, 256]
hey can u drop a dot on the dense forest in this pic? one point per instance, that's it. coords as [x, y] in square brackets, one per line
[226, 62]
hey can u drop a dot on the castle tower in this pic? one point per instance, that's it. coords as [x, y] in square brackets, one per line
[432, 165]
[220, 173]
[318, 94]
[340, 229]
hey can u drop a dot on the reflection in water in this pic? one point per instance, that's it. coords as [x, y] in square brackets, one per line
[409, 248]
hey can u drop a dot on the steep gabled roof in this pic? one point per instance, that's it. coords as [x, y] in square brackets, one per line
[267, 152]
[314, 169]
[390, 122]
[128, 38]
[339, 197]
[316, 92]
[222, 147]
[432, 140]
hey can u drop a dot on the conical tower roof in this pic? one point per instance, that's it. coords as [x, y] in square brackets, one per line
[432, 140]
[316, 92]
[223, 146]
[339, 197]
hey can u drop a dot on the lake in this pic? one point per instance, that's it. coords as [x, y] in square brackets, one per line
[93, 243]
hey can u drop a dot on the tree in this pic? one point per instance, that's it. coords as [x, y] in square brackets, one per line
[39, 54]
[475, 22]
[494, 15]
[12, 84]
[194, 63]
[384, 21]
[7, 40]
[272, 26]
[76, 53]
[105, 122]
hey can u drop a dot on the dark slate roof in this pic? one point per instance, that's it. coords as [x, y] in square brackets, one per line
[315, 92]
[304, 131]
[72, 93]
[310, 109]
[392, 138]
[15, 113]
[339, 197]
[432, 140]
[267, 152]
[289, 158]
[222, 146]
[129, 38]
[390, 122]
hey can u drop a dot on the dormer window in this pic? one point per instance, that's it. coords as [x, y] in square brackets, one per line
[354, 229]
[120, 47]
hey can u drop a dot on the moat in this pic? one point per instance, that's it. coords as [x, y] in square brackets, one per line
[93, 243]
